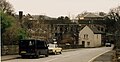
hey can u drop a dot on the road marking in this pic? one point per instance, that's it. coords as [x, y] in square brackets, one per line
[97, 56]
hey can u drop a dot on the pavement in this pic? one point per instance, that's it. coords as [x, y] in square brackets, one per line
[106, 57]
[9, 57]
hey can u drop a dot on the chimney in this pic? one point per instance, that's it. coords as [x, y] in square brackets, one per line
[20, 15]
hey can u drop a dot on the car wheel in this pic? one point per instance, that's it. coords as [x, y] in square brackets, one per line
[60, 52]
[55, 52]
[36, 56]
[46, 55]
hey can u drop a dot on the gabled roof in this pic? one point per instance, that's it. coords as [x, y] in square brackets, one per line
[91, 15]
[88, 14]
[95, 30]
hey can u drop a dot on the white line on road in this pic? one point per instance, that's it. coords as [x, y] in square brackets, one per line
[97, 56]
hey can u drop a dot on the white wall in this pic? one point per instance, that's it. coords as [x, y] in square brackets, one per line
[97, 39]
[86, 30]
[94, 39]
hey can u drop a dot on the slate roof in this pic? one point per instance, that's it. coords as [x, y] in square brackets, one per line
[91, 15]
[95, 30]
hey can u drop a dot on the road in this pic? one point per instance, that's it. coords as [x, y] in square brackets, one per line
[79, 55]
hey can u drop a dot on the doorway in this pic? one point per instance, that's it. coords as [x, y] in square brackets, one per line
[83, 43]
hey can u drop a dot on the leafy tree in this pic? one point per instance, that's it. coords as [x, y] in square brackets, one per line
[13, 34]
[102, 13]
[67, 18]
[63, 20]
[6, 21]
[114, 15]
[10, 29]
[113, 19]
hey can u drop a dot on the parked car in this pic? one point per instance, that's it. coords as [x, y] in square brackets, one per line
[108, 44]
[53, 48]
[32, 47]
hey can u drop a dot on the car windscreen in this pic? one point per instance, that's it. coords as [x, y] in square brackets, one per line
[27, 43]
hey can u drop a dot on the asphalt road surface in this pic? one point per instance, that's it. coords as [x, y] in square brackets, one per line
[79, 55]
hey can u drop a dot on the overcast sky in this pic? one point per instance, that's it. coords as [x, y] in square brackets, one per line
[55, 8]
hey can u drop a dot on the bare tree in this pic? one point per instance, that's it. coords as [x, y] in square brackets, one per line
[5, 6]
[82, 14]
[114, 14]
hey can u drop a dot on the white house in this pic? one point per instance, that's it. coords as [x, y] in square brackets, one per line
[89, 36]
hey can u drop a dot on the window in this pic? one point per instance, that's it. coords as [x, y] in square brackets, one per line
[30, 43]
[27, 43]
[40, 44]
[85, 36]
[102, 29]
[88, 43]
[99, 28]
